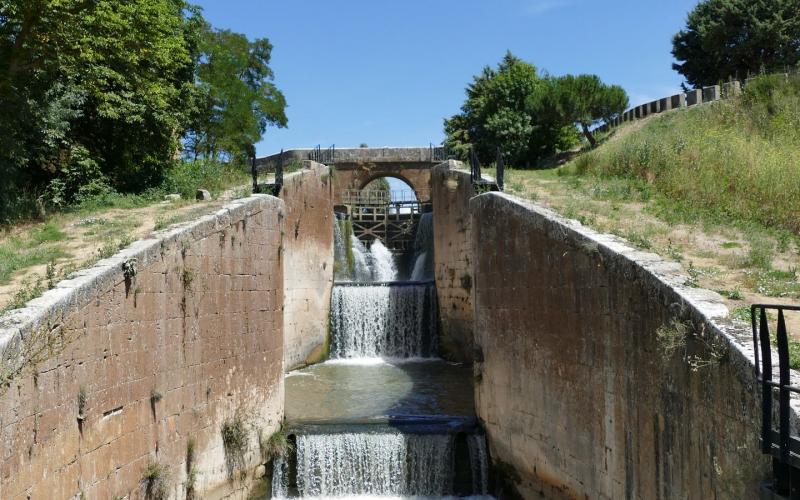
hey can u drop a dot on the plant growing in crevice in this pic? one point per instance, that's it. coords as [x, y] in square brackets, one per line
[188, 277]
[155, 481]
[234, 443]
[155, 397]
[82, 400]
[191, 470]
[51, 275]
[274, 446]
[129, 270]
[699, 349]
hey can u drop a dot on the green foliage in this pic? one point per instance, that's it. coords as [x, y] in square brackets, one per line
[733, 161]
[186, 178]
[234, 442]
[585, 100]
[526, 115]
[237, 99]
[501, 111]
[155, 481]
[97, 98]
[276, 445]
[726, 39]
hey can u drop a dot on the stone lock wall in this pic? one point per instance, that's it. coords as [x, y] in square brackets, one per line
[308, 264]
[451, 190]
[580, 394]
[125, 364]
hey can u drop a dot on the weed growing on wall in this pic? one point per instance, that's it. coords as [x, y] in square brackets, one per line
[698, 349]
[274, 446]
[155, 481]
[235, 443]
[191, 470]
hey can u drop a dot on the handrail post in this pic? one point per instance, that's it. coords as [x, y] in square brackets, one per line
[253, 168]
[279, 170]
[500, 169]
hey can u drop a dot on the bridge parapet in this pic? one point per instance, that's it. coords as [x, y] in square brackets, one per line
[350, 157]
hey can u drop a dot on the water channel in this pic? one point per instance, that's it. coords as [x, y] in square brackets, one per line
[384, 416]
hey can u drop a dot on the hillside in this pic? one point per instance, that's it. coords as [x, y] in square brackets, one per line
[714, 187]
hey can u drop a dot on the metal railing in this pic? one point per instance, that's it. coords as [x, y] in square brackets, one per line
[500, 167]
[274, 187]
[779, 443]
[326, 157]
[439, 153]
[474, 165]
[356, 197]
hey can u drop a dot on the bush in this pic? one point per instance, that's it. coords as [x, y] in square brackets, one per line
[187, 177]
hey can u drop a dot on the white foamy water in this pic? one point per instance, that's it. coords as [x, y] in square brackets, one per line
[383, 266]
[381, 464]
[384, 321]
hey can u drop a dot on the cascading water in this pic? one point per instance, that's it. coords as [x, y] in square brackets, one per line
[374, 316]
[395, 321]
[354, 262]
[423, 249]
[479, 463]
[377, 464]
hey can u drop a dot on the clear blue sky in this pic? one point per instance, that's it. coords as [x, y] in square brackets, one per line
[388, 72]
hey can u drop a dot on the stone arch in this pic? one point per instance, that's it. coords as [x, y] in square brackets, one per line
[365, 181]
[355, 177]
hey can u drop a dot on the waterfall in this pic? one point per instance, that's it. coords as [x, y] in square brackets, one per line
[353, 262]
[423, 249]
[384, 321]
[341, 267]
[361, 269]
[383, 266]
[380, 464]
[479, 463]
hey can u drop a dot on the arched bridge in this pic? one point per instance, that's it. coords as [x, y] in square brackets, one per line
[393, 220]
[357, 167]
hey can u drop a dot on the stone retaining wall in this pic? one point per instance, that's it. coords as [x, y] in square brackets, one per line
[159, 346]
[603, 375]
[308, 264]
[451, 190]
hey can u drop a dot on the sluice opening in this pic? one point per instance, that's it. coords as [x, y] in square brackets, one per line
[384, 416]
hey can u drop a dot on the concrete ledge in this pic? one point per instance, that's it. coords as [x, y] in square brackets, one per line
[50, 309]
[661, 275]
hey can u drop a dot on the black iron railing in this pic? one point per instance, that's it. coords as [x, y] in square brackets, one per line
[274, 187]
[326, 157]
[501, 169]
[439, 153]
[780, 443]
[474, 166]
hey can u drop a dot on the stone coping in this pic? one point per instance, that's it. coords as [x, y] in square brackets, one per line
[70, 295]
[666, 279]
[356, 155]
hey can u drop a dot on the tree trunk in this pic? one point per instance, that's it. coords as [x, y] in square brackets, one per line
[588, 134]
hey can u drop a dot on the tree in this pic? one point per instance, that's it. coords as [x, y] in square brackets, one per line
[237, 97]
[94, 90]
[498, 112]
[585, 100]
[726, 39]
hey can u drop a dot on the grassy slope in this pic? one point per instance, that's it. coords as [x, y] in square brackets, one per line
[716, 188]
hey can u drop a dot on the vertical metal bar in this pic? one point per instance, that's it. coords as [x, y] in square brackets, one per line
[254, 170]
[785, 381]
[766, 388]
[279, 170]
[500, 169]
